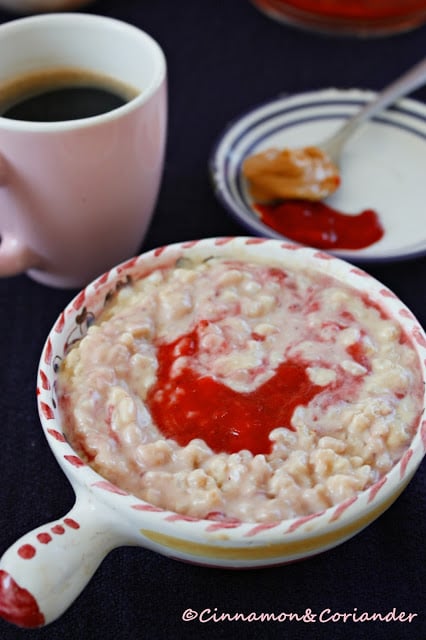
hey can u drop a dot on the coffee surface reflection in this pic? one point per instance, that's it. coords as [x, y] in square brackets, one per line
[58, 95]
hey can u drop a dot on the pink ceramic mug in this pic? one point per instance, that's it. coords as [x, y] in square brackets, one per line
[77, 196]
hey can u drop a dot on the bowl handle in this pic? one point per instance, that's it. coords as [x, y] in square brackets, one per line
[45, 570]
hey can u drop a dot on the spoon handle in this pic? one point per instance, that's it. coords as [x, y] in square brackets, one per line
[405, 84]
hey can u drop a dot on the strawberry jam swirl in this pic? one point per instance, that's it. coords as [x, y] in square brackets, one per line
[233, 389]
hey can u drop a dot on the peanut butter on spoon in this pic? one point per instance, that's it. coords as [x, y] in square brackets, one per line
[311, 173]
[306, 173]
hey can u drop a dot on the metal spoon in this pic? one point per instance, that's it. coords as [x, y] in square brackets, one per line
[312, 173]
[409, 81]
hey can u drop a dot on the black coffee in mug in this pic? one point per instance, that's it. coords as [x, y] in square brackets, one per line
[56, 95]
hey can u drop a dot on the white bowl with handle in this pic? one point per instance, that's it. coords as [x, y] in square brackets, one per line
[43, 572]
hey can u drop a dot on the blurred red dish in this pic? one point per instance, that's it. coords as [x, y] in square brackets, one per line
[365, 17]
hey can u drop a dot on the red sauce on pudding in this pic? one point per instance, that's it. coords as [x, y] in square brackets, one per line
[318, 225]
[358, 354]
[188, 405]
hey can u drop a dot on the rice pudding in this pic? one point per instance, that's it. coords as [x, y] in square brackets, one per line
[234, 389]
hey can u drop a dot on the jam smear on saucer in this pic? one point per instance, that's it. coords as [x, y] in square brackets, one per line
[319, 225]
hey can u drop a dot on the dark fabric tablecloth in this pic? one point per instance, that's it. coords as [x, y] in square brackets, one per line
[223, 58]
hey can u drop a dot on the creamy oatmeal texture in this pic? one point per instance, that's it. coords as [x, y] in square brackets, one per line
[211, 348]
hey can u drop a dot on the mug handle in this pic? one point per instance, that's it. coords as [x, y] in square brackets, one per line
[15, 256]
[45, 570]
